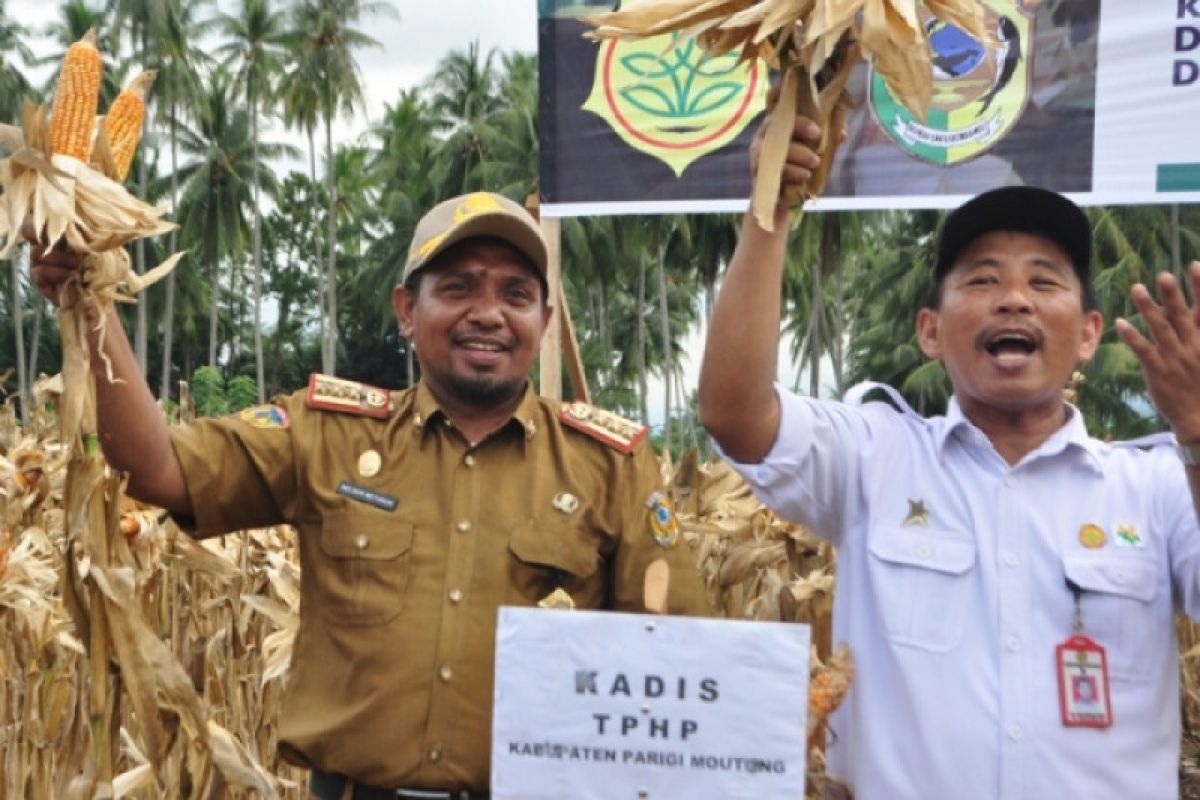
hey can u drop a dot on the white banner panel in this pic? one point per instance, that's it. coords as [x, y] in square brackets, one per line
[607, 706]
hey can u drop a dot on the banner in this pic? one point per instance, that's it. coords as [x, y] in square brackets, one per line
[593, 705]
[1099, 99]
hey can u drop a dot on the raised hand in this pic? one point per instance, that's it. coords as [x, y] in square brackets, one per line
[1170, 353]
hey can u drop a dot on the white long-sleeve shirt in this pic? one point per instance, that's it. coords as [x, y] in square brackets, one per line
[951, 592]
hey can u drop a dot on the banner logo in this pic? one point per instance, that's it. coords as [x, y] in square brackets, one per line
[665, 97]
[979, 88]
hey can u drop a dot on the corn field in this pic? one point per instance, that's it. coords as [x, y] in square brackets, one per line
[152, 665]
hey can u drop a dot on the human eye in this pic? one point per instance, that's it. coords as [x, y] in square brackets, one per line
[1046, 282]
[453, 287]
[519, 294]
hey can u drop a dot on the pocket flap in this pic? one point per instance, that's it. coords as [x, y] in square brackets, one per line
[1127, 577]
[555, 546]
[360, 534]
[941, 551]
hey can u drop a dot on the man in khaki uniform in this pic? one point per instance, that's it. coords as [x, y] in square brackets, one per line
[418, 512]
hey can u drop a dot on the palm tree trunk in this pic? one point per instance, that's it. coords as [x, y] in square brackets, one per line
[641, 341]
[831, 257]
[215, 292]
[139, 247]
[258, 344]
[19, 339]
[665, 329]
[39, 313]
[164, 384]
[318, 269]
[1176, 248]
[329, 364]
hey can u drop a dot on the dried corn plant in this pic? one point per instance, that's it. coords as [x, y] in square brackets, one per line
[153, 671]
[814, 44]
[758, 566]
[201, 632]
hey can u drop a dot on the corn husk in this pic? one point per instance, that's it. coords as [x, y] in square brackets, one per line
[815, 44]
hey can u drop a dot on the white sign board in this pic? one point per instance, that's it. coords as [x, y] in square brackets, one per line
[634, 707]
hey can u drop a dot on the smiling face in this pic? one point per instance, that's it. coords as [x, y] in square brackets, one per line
[1011, 325]
[476, 320]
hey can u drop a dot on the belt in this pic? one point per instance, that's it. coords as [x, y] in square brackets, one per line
[329, 786]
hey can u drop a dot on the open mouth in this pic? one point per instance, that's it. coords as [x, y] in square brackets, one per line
[1011, 344]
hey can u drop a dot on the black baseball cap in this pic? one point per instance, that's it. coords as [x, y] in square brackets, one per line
[1027, 209]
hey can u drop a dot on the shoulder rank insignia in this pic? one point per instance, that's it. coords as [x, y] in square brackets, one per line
[351, 397]
[266, 416]
[609, 428]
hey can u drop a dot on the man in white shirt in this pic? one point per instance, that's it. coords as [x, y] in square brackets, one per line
[993, 560]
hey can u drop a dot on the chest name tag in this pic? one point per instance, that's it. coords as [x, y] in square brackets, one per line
[369, 496]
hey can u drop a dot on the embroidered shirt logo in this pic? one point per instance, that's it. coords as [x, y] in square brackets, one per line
[1127, 536]
[1092, 536]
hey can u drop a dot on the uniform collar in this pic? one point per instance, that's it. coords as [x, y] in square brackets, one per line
[1071, 437]
[427, 414]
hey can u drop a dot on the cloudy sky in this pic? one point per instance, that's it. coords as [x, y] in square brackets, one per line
[413, 40]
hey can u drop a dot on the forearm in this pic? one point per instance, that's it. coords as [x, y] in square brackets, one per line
[131, 426]
[738, 405]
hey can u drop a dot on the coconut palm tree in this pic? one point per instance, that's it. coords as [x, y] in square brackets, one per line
[324, 42]
[13, 84]
[255, 43]
[179, 90]
[464, 98]
[13, 87]
[217, 190]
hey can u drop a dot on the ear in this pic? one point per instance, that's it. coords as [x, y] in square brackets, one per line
[927, 333]
[1089, 339]
[547, 316]
[403, 303]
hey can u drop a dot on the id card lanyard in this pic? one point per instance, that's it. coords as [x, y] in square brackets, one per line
[1082, 665]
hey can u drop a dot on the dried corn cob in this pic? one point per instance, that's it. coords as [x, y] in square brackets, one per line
[75, 100]
[123, 123]
[828, 686]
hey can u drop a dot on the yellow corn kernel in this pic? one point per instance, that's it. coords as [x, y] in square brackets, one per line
[75, 99]
[123, 122]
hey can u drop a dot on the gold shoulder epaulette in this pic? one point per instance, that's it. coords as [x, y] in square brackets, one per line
[621, 433]
[351, 397]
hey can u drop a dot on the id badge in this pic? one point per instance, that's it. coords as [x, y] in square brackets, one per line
[1083, 693]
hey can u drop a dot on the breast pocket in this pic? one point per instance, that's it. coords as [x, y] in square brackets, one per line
[549, 555]
[1118, 610]
[364, 568]
[921, 579]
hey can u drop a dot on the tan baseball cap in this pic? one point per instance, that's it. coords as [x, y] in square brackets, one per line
[475, 214]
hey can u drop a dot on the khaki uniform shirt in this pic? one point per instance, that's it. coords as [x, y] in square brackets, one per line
[403, 568]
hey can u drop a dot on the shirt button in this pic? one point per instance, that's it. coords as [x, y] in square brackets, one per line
[445, 673]
[361, 541]
[469, 460]
[1015, 733]
[1011, 560]
[1010, 481]
[924, 551]
[455, 596]
[1118, 578]
[435, 754]
[1013, 644]
[463, 525]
